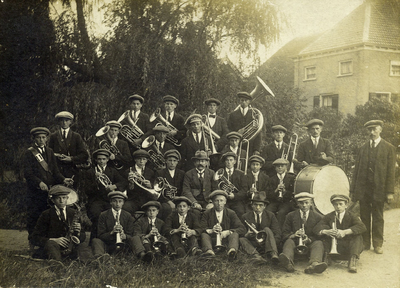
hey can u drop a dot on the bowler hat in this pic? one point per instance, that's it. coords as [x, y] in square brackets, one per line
[259, 197]
[40, 130]
[136, 97]
[169, 98]
[151, 203]
[200, 155]
[373, 123]
[118, 194]
[218, 192]
[64, 114]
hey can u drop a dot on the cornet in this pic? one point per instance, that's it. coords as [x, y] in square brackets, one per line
[135, 178]
[102, 178]
[260, 236]
[224, 183]
[334, 240]
[132, 132]
[157, 115]
[156, 156]
[302, 249]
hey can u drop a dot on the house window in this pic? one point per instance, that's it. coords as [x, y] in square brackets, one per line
[309, 73]
[316, 101]
[345, 68]
[330, 101]
[394, 68]
[380, 95]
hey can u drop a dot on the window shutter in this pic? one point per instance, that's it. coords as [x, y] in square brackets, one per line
[316, 101]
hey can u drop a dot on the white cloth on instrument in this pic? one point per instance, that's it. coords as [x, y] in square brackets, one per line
[244, 110]
[376, 142]
[211, 120]
[219, 215]
[181, 218]
[172, 173]
[315, 141]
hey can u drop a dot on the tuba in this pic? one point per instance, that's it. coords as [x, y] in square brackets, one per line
[157, 115]
[260, 235]
[162, 186]
[114, 150]
[156, 157]
[224, 183]
[102, 178]
[135, 178]
[301, 249]
[130, 132]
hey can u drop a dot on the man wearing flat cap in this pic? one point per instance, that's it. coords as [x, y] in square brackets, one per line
[68, 147]
[373, 183]
[224, 222]
[314, 150]
[256, 179]
[57, 226]
[275, 149]
[195, 141]
[301, 223]
[346, 227]
[234, 139]
[160, 143]
[217, 123]
[242, 116]
[120, 154]
[41, 172]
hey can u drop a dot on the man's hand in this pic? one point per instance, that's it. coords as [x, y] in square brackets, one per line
[329, 232]
[123, 235]
[225, 234]
[304, 164]
[231, 196]
[217, 228]
[172, 133]
[197, 206]
[43, 186]
[323, 155]
[66, 159]
[69, 181]
[76, 227]
[340, 234]
[389, 198]
[190, 233]
[112, 156]
[117, 229]
[61, 241]
[241, 130]
[147, 183]
[299, 233]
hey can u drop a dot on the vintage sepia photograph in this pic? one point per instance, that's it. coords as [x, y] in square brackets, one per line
[200, 143]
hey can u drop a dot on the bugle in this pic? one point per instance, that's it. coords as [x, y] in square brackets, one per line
[102, 178]
[157, 115]
[334, 241]
[224, 183]
[260, 236]
[246, 162]
[302, 249]
[136, 179]
[293, 142]
[156, 157]
[114, 150]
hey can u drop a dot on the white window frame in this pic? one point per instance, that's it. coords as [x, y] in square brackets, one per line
[340, 68]
[322, 97]
[389, 95]
[394, 63]
[305, 73]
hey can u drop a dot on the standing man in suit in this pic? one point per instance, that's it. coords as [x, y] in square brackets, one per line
[300, 223]
[274, 150]
[54, 225]
[217, 123]
[348, 229]
[41, 172]
[315, 150]
[195, 141]
[223, 221]
[373, 183]
[239, 118]
[68, 147]
[265, 222]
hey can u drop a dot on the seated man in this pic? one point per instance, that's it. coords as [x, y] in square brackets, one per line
[58, 231]
[345, 227]
[115, 227]
[220, 226]
[147, 239]
[280, 191]
[266, 224]
[300, 223]
[256, 179]
[183, 227]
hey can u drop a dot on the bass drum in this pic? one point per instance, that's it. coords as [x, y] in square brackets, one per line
[323, 182]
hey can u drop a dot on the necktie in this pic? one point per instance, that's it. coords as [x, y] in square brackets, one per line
[62, 216]
[373, 144]
[304, 217]
[169, 117]
[315, 143]
[279, 146]
[338, 218]
[258, 222]
[134, 116]
[229, 174]
[201, 179]
[211, 116]
[197, 137]
[64, 134]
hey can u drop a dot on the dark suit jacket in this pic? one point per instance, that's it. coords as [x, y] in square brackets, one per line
[268, 219]
[34, 172]
[138, 194]
[241, 155]
[308, 153]
[230, 221]
[50, 226]
[191, 184]
[172, 222]
[236, 121]
[189, 148]
[288, 180]
[107, 222]
[239, 180]
[270, 153]
[142, 226]
[122, 159]
[177, 181]
[384, 176]
[261, 184]
[142, 122]
[221, 128]
[293, 222]
[178, 122]
[72, 146]
[349, 221]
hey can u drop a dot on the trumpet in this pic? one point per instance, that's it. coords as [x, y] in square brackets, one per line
[114, 150]
[118, 240]
[157, 244]
[239, 163]
[224, 183]
[135, 178]
[130, 133]
[260, 235]
[102, 178]
[162, 186]
[157, 115]
[302, 249]
[334, 240]
[293, 141]
[156, 156]
[72, 235]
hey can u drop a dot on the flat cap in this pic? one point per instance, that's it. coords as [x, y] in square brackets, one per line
[314, 122]
[303, 196]
[279, 128]
[257, 158]
[118, 194]
[136, 97]
[373, 123]
[259, 197]
[104, 152]
[58, 190]
[114, 123]
[40, 130]
[64, 114]
[160, 128]
[212, 100]
[193, 118]
[151, 203]
[179, 199]
[172, 153]
[234, 134]
[228, 154]
[340, 197]
[280, 161]
[140, 153]
[169, 98]
[200, 155]
[218, 192]
[244, 95]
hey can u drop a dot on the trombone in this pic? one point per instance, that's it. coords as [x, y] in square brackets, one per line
[293, 142]
[206, 130]
[239, 164]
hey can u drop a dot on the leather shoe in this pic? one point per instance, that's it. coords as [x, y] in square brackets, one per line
[274, 258]
[181, 252]
[285, 262]
[316, 267]
[208, 254]
[232, 254]
[378, 250]
[148, 256]
[196, 251]
[258, 260]
[353, 264]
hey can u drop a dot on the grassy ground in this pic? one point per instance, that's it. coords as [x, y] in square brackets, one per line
[128, 271]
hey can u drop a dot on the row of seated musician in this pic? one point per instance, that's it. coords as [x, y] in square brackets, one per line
[218, 229]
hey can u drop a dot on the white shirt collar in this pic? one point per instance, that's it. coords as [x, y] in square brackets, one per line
[66, 130]
[377, 141]
[160, 144]
[172, 173]
[139, 170]
[340, 216]
[198, 135]
[152, 221]
[115, 212]
[278, 143]
[219, 215]
[170, 113]
[307, 213]
[182, 218]
[234, 149]
[101, 169]
[255, 215]
[281, 176]
[244, 110]
[58, 211]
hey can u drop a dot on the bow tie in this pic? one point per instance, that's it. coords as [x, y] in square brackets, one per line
[211, 116]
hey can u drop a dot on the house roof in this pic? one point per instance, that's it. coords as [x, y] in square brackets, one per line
[371, 23]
